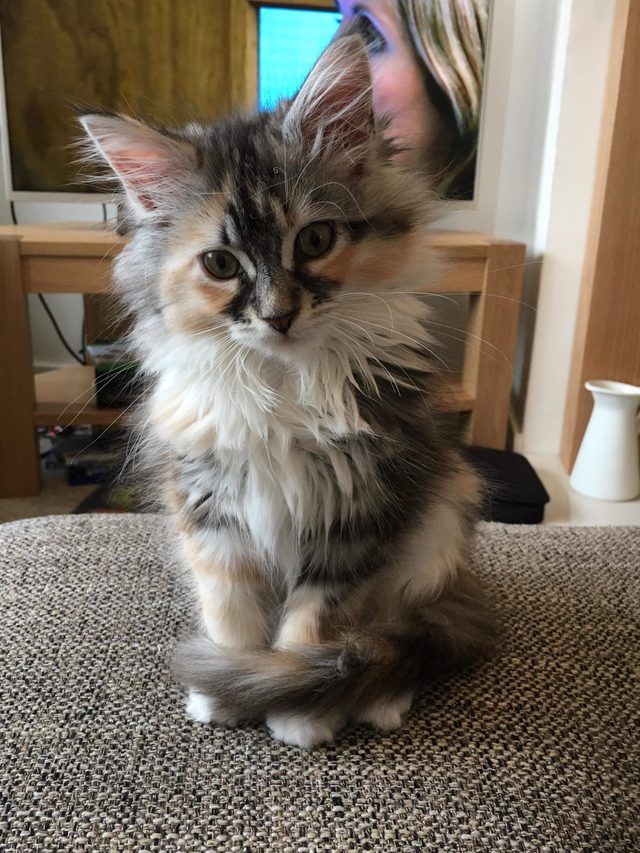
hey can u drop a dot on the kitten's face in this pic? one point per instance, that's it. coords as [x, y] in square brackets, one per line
[269, 227]
[268, 272]
[273, 263]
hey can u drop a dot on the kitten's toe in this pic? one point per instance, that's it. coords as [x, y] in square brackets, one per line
[298, 730]
[198, 707]
[386, 714]
[202, 709]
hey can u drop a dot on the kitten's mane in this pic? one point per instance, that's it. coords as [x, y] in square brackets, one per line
[252, 397]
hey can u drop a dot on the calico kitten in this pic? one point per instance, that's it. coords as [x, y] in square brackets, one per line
[326, 516]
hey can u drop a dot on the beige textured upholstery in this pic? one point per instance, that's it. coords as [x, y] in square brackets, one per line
[536, 750]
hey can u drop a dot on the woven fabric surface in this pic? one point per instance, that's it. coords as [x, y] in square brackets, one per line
[535, 750]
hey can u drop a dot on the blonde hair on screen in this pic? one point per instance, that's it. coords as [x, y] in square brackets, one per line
[449, 37]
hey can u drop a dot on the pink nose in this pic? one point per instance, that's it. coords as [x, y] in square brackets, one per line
[282, 323]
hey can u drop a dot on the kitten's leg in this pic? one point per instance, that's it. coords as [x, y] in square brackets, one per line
[231, 586]
[308, 619]
[386, 714]
[304, 730]
[304, 617]
[430, 557]
[233, 601]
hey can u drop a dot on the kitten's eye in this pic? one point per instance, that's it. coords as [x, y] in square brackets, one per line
[220, 264]
[315, 239]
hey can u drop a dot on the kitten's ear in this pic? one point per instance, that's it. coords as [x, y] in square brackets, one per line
[334, 108]
[154, 168]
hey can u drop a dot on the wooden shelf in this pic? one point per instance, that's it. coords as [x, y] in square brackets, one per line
[67, 258]
[455, 399]
[67, 396]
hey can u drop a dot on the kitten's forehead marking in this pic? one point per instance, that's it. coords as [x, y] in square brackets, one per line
[215, 228]
[192, 296]
[230, 234]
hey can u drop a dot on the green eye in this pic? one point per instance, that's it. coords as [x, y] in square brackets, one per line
[315, 239]
[220, 264]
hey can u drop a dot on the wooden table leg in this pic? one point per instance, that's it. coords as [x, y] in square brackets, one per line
[19, 457]
[491, 346]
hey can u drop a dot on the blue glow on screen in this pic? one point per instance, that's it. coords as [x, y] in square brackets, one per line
[290, 41]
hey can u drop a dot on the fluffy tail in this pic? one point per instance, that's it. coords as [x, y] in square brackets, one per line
[348, 674]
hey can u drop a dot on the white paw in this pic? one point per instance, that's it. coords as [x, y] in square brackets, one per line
[198, 707]
[297, 730]
[386, 715]
[202, 709]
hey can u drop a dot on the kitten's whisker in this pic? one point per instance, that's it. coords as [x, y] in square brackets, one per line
[471, 344]
[377, 360]
[451, 276]
[300, 174]
[475, 337]
[107, 428]
[345, 340]
[83, 392]
[397, 293]
[326, 203]
[353, 323]
[207, 331]
[419, 344]
[232, 360]
[138, 436]
[353, 198]
[449, 298]
[374, 296]
[344, 317]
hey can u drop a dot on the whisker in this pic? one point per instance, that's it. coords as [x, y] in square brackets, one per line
[107, 428]
[476, 337]
[89, 388]
[430, 294]
[419, 344]
[375, 296]
[410, 381]
[392, 380]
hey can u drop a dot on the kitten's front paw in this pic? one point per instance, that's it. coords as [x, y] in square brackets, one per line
[202, 709]
[298, 730]
[386, 714]
[199, 708]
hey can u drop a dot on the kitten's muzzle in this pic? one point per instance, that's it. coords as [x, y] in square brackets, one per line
[282, 322]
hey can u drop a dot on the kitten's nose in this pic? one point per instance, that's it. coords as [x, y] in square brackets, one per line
[282, 322]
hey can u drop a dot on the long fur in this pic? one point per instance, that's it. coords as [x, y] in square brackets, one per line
[319, 501]
[364, 665]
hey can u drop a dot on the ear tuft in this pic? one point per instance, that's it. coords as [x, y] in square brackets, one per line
[333, 110]
[154, 168]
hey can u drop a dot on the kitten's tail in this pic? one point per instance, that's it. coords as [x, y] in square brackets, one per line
[347, 674]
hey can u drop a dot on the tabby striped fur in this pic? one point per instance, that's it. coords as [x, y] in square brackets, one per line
[325, 514]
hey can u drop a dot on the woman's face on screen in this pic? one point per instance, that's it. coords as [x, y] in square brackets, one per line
[399, 89]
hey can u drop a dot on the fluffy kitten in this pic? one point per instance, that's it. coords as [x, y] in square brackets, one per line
[326, 516]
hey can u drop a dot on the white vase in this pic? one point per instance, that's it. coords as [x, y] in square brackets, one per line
[607, 466]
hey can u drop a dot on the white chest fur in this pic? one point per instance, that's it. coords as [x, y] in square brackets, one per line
[273, 433]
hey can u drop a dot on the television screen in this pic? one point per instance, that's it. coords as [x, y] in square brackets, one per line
[175, 61]
[289, 42]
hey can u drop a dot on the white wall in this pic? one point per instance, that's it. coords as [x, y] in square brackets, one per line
[565, 205]
[545, 95]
